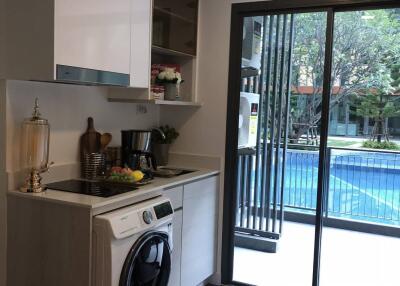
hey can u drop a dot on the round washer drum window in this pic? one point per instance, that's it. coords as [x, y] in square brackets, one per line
[148, 262]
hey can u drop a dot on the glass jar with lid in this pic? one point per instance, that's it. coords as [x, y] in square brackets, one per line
[35, 139]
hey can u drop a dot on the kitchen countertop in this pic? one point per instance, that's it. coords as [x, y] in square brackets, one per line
[100, 205]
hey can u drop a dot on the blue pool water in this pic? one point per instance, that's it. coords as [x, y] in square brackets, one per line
[362, 185]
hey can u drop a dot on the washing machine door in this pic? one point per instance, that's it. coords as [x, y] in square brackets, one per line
[148, 262]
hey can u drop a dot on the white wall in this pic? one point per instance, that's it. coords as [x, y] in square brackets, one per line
[203, 131]
[67, 108]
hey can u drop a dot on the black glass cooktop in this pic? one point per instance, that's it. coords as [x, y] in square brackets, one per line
[98, 189]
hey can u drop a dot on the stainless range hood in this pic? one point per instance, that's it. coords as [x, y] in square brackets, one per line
[85, 76]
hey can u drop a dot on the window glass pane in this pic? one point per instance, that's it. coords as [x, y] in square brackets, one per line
[279, 126]
[363, 203]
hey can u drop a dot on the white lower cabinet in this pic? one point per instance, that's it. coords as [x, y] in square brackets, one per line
[199, 231]
[175, 277]
[195, 232]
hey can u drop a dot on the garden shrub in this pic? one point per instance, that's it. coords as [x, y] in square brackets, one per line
[386, 145]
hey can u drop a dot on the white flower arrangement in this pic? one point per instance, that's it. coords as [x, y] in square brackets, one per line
[169, 75]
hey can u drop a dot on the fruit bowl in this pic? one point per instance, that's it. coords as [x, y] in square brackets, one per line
[127, 176]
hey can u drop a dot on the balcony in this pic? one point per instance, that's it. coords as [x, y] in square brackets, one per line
[349, 258]
[362, 219]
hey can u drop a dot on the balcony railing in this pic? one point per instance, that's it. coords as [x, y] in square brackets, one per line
[364, 186]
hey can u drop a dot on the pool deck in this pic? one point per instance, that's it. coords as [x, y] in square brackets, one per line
[349, 258]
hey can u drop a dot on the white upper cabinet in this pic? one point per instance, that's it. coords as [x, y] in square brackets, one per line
[80, 41]
[93, 34]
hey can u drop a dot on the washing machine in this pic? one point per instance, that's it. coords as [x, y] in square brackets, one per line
[132, 246]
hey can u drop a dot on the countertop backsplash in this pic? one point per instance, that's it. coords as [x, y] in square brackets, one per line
[67, 108]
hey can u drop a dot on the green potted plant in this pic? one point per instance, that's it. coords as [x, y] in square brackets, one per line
[161, 144]
[171, 80]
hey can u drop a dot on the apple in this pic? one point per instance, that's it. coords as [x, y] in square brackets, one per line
[116, 170]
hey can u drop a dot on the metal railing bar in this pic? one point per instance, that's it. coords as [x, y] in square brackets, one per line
[334, 185]
[366, 186]
[359, 196]
[398, 206]
[312, 179]
[386, 188]
[340, 184]
[347, 185]
[279, 124]
[286, 124]
[295, 179]
[290, 179]
[393, 194]
[261, 101]
[248, 188]
[301, 180]
[273, 117]
[238, 202]
[306, 175]
[379, 184]
[243, 178]
[373, 181]
[327, 178]
[266, 117]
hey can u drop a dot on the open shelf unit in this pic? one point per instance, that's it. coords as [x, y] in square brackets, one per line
[174, 15]
[168, 52]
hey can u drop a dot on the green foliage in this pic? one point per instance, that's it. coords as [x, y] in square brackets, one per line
[366, 57]
[170, 135]
[386, 145]
[377, 105]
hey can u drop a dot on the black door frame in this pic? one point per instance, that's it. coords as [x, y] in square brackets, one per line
[239, 11]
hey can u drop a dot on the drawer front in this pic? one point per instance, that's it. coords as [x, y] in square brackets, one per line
[175, 195]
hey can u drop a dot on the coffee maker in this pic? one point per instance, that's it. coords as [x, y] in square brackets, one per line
[136, 150]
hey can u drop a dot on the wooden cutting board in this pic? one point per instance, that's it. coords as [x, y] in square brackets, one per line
[90, 140]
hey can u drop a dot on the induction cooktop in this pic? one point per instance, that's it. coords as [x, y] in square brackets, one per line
[91, 188]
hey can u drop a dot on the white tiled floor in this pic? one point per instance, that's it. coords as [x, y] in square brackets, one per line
[348, 259]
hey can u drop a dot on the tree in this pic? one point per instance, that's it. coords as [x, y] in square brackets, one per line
[378, 101]
[364, 44]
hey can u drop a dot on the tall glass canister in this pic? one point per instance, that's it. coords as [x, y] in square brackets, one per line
[35, 150]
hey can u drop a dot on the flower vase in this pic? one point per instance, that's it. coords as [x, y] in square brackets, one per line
[172, 91]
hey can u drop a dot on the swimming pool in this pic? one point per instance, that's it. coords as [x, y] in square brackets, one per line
[363, 185]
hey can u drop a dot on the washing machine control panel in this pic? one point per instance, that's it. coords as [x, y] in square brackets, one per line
[163, 210]
[147, 217]
[138, 217]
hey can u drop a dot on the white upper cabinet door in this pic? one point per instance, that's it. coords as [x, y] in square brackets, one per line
[93, 34]
[141, 21]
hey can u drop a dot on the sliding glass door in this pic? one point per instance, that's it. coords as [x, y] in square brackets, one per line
[360, 244]
[278, 150]
[312, 111]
